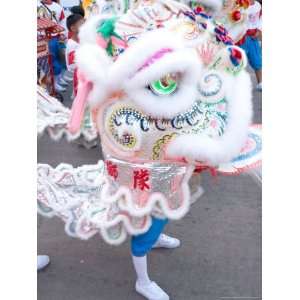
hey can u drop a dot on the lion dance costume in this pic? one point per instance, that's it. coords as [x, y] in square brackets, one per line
[168, 93]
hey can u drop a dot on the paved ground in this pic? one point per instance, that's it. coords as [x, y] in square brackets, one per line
[220, 256]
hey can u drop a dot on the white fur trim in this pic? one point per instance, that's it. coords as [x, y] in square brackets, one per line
[221, 149]
[107, 76]
[124, 73]
[62, 204]
[88, 31]
[94, 63]
[133, 58]
[182, 61]
[53, 118]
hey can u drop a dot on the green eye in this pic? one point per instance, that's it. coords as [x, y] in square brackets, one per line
[167, 85]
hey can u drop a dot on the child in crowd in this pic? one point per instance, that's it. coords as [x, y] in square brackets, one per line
[251, 41]
[55, 12]
[77, 10]
[74, 22]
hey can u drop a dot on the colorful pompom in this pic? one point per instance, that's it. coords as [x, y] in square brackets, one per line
[198, 9]
[236, 16]
[235, 56]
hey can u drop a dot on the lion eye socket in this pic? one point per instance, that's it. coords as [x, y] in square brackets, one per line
[166, 85]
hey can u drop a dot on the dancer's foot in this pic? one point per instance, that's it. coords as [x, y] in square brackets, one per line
[151, 291]
[42, 262]
[165, 241]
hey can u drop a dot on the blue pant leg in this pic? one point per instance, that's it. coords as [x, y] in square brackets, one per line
[253, 52]
[142, 244]
[62, 46]
[54, 51]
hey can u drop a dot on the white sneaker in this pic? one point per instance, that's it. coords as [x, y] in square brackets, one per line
[259, 87]
[151, 291]
[42, 261]
[165, 241]
[59, 88]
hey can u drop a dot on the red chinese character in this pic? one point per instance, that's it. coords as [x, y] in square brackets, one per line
[112, 169]
[141, 179]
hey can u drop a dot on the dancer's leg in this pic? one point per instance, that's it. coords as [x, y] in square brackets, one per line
[140, 246]
[258, 74]
[144, 286]
[255, 59]
[141, 269]
[143, 243]
[253, 51]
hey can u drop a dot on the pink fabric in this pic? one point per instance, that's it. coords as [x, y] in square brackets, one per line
[101, 42]
[79, 104]
[157, 55]
[118, 42]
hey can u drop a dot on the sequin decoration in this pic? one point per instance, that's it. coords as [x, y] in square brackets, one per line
[214, 90]
[124, 116]
[162, 186]
[128, 127]
[211, 88]
[156, 151]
